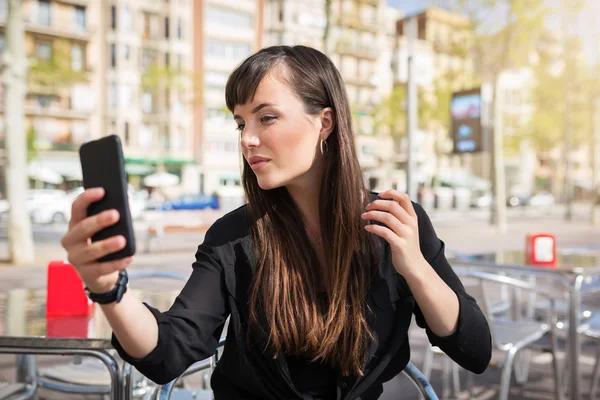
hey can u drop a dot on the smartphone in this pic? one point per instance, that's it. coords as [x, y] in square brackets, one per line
[103, 165]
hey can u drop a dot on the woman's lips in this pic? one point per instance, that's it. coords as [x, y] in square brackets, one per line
[256, 166]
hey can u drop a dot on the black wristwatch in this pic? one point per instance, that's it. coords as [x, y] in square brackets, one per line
[113, 295]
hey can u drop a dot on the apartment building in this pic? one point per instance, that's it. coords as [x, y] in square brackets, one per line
[444, 42]
[148, 82]
[355, 45]
[295, 22]
[58, 106]
[226, 32]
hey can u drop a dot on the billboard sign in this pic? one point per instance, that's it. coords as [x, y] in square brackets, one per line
[465, 109]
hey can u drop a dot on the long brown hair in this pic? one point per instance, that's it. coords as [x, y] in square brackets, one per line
[284, 301]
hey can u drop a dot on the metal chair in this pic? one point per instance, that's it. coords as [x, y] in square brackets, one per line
[512, 335]
[89, 376]
[164, 392]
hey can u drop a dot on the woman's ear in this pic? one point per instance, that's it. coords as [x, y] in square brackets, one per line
[327, 122]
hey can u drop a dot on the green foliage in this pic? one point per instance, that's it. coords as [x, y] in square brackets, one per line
[433, 109]
[157, 77]
[31, 149]
[56, 72]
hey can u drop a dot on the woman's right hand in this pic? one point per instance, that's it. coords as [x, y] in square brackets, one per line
[99, 277]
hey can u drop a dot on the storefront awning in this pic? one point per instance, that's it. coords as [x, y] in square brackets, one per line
[155, 161]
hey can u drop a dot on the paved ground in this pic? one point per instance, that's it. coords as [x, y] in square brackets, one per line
[462, 231]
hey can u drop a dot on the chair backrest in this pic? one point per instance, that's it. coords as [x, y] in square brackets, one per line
[164, 392]
[485, 294]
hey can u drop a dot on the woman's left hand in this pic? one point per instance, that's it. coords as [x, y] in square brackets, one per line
[401, 229]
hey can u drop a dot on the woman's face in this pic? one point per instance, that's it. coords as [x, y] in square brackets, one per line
[279, 140]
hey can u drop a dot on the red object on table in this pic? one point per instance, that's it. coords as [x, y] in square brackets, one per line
[67, 327]
[540, 249]
[66, 296]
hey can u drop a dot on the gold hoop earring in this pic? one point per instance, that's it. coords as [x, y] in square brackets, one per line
[323, 143]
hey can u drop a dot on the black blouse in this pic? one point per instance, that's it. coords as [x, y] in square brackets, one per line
[218, 288]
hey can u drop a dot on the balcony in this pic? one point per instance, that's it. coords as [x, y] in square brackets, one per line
[82, 3]
[374, 3]
[59, 27]
[353, 21]
[55, 112]
[346, 47]
[359, 81]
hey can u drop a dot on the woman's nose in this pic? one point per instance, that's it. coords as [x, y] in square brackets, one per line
[249, 140]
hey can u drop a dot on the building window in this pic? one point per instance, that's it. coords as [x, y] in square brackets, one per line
[113, 55]
[125, 93]
[228, 17]
[43, 51]
[126, 52]
[167, 60]
[3, 8]
[146, 136]
[44, 14]
[80, 20]
[151, 26]
[166, 27]
[217, 113]
[166, 139]
[179, 61]
[127, 133]
[113, 18]
[233, 50]
[215, 79]
[179, 29]
[127, 20]
[112, 95]
[147, 102]
[148, 58]
[178, 140]
[44, 101]
[76, 57]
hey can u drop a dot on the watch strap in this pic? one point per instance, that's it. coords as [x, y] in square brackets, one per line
[113, 295]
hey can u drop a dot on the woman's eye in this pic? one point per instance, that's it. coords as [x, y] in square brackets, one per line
[240, 127]
[267, 118]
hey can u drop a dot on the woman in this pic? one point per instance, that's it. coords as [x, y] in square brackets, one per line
[319, 277]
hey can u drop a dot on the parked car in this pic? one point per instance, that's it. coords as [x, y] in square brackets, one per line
[59, 211]
[35, 198]
[541, 199]
[190, 202]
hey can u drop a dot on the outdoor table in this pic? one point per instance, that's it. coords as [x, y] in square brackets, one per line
[575, 271]
[25, 330]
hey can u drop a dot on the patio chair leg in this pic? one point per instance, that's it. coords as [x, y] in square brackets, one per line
[557, 383]
[427, 365]
[470, 384]
[522, 366]
[456, 379]
[507, 373]
[446, 372]
[596, 374]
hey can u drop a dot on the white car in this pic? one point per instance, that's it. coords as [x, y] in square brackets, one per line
[59, 211]
[35, 198]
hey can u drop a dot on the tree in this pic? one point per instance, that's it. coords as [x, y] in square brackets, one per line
[496, 49]
[56, 72]
[327, 29]
[14, 66]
